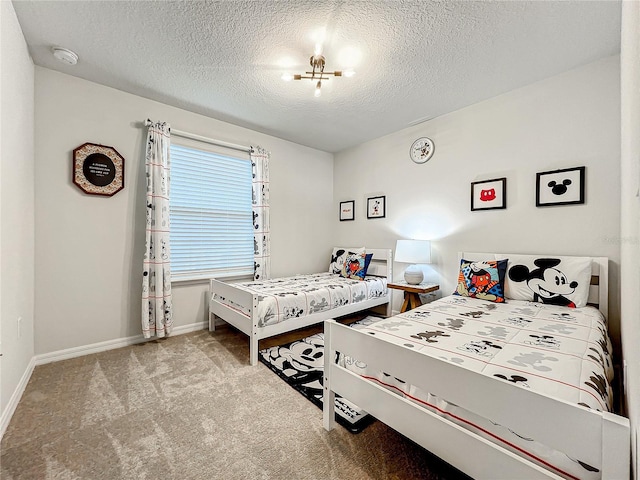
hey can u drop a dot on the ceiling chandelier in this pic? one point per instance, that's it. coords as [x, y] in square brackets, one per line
[317, 73]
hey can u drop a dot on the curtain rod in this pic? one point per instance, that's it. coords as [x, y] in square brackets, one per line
[193, 136]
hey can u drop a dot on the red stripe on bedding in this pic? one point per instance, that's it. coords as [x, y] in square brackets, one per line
[236, 309]
[463, 420]
[599, 400]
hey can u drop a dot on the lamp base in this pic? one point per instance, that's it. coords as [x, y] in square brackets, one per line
[413, 275]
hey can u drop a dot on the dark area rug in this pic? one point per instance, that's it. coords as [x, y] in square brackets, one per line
[301, 365]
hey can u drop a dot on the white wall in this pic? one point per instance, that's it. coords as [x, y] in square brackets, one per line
[16, 209]
[89, 248]
[569, 120]
[630, 214]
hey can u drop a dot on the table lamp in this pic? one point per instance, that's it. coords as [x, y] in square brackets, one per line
[414, 252]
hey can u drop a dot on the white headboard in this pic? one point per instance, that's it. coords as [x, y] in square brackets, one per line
[598, 290]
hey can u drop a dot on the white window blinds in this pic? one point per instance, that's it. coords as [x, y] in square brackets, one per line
[211, 216]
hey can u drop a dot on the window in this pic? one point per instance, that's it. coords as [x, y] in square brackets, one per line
[211, 214]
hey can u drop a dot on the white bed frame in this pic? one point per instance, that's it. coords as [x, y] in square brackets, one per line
[601, 439]
[381, 265]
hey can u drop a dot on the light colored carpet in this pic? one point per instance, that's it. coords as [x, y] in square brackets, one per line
[189, 407]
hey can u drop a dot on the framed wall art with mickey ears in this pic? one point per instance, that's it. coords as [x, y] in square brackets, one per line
[489, 194]
[560, 187]
[98, 169]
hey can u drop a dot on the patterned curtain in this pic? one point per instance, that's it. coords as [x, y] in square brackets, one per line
[261, 235]
[157, 312]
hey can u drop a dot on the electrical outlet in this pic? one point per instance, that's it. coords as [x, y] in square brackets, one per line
[19, 329]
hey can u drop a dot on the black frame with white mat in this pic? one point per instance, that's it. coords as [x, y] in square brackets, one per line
[347, 210]
[489, 194]
[560, 187]
[376, 210]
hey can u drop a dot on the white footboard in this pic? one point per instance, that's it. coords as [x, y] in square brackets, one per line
[598, 438]
[230, 315]
[235, 316]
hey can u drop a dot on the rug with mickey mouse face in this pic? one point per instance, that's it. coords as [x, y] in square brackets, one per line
[301, 365]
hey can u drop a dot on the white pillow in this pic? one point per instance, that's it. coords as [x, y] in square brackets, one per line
[551, 279]
[338, 257]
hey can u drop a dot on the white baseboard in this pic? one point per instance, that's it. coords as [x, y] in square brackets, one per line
[15, 398]
[78, 352]
[110, 344]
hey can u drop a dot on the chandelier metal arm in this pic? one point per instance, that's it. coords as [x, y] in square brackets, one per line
[317, 76]
[317, 73]
[337, 73]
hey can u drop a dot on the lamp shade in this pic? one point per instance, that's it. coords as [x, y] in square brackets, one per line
[413, 251]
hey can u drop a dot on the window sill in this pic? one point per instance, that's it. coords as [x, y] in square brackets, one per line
[197, 280]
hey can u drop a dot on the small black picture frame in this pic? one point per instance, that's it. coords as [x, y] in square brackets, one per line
[347, 210]
[376, 206]
[560, 187]
[489, 194]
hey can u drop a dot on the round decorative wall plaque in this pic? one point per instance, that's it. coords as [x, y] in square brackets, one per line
[98, 169]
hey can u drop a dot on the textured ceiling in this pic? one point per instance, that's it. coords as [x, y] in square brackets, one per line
[414, 60]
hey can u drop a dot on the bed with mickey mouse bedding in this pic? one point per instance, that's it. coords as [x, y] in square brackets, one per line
[509, 377]
[356, 281]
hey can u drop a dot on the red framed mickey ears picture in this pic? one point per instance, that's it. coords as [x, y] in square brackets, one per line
[489, 194]
[98, 169]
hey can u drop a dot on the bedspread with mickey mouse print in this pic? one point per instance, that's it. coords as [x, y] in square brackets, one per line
[553, 350]
[287, 298]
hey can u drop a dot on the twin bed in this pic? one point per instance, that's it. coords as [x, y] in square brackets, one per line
[500, 388]
[527, 384]
[271, 307]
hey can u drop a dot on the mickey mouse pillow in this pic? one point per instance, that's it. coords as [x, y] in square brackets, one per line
[355, 266]
[482, 280]
[338, 256]
[554, 280]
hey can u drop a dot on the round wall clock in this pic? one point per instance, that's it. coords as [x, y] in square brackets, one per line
[421, 150]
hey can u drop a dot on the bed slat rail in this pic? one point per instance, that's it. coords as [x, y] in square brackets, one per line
[414, 422]
[575, 430]
[236, 295]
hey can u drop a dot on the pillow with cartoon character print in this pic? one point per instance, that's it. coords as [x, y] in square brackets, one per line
[338, 257]
[354, 266]
[554, 280]
[483, 280]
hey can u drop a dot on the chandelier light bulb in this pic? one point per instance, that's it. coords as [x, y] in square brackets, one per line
[287, 77]
[348, 73]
